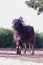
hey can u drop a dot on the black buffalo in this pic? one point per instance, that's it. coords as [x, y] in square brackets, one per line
[23, 35]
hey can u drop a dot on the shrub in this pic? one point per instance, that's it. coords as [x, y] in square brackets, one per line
[6, 38]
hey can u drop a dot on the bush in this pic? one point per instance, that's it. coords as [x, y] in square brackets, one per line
[39, 40]
[6, 38]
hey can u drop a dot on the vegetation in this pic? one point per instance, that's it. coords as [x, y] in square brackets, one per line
[36, 5]
[6, 38]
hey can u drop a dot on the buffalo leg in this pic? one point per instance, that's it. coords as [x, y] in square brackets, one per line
[20, 44]
[25, 49]
[18, 49]
[32, 46]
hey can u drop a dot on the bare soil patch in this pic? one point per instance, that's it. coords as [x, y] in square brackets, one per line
[11, 53]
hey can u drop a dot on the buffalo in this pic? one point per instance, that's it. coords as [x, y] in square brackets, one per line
[23, 35]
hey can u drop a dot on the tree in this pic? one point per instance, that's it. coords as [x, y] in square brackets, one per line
[36, 5]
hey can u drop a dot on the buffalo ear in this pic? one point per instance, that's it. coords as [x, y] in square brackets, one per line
[21, 18]
[14, 21]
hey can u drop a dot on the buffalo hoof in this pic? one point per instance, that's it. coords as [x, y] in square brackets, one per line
[24, 52]
[32, 53]
[19, 53]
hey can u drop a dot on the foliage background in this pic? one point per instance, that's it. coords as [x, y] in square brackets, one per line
[6, 38]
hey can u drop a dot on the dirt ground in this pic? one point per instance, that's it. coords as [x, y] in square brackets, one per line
[11, 53]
